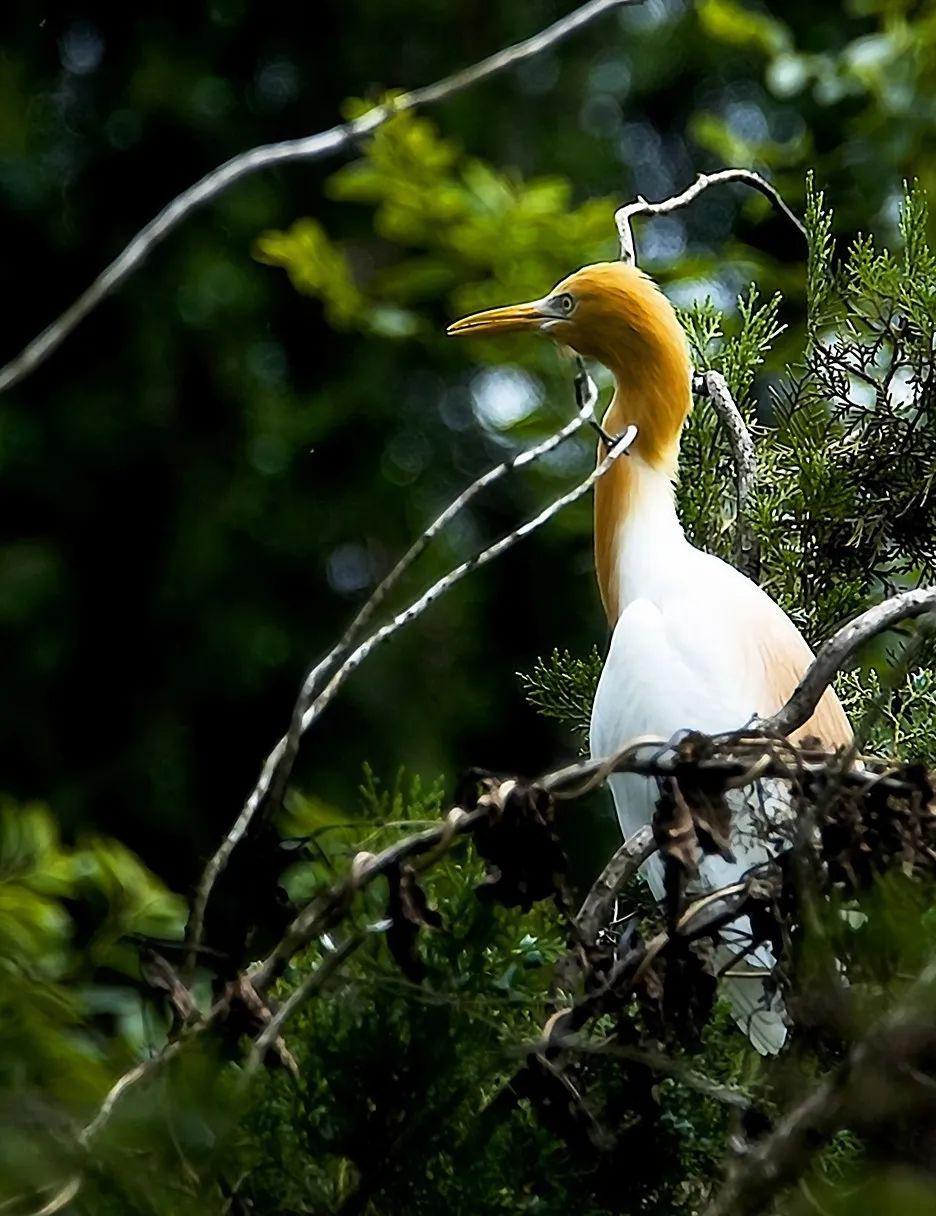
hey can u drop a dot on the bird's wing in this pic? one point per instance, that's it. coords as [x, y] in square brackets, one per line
[784, 666]
[708, 652]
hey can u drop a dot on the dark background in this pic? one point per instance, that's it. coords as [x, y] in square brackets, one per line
[199, 486]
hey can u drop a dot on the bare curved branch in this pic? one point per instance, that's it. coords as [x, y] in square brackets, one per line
[312, 983]
[641, 206]
[624, 864]
[308, 148]
[365, 868]
[443, 585]
[651, 757]
[621, 445]
[68, 1190]
[712, 385]
[731, 757]
[836, 652]
[328, 677]
[657, 1061]
[739, 760]
[61, 1199]
[277, 767]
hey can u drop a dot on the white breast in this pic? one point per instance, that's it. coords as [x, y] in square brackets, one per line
[686, 654]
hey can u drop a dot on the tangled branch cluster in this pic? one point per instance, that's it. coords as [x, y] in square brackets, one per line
[868, 818]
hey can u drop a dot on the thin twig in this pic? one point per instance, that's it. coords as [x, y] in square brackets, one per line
[591, 774]
[443, 585]
[622, 980]
[278, 765]
[646, 758]
[318, 915]
[747, 549]
[745, 761]
[308, 148]
[624, 864]
[62, 1197]
[641, 206]
[312, 983]
[651, 757]
[711, 383]
[322, 672]
[303, 929]
[657, 1062]
[588, 394]
[128, 1080]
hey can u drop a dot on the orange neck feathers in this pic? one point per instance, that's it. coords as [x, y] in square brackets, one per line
[615, 314]
[648, 356]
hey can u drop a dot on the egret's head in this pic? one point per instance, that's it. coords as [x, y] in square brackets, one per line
[610, 312]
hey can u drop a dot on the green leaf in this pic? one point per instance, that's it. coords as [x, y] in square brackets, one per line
[744, 28]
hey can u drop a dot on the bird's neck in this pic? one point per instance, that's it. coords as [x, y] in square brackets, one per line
[637, 530]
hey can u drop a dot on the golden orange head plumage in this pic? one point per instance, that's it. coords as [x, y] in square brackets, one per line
[616, 314]
[599, 311]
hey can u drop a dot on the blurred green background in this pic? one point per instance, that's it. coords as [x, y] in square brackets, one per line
[204, 481]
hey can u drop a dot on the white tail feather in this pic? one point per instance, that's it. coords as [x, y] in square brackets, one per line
[756, 1009]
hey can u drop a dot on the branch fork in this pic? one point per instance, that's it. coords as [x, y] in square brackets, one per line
[746, 177]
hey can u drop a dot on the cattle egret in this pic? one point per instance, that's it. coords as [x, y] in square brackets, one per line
[695, 644]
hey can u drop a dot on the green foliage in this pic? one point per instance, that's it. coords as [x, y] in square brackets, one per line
[395, 1074]
[744, 28]
[402, 1103]
[403, 1100]
[849, 469]
[459, 229]
[737, 349]
[563, 688]
[843, 508]
[843, 513]
[882, 57]
[71, 1017]
[334, 836]
[901, 722]
[820, 269]
[315, 267]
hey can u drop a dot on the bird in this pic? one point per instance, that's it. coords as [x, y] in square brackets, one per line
[695, 644]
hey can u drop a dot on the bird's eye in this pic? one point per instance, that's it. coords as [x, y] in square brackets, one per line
[565, 303]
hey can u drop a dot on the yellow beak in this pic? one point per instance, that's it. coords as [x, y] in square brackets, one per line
[511, 319]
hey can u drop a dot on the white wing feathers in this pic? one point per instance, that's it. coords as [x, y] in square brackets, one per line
[705, 649]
